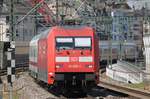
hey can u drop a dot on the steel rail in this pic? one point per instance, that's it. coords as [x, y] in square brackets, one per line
[126, 90]
[22, 68]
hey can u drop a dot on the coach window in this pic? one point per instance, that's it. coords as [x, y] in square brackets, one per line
[35, 54]
[31, 53]
[83, 43]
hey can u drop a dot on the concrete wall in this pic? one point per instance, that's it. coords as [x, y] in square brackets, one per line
[124, 76]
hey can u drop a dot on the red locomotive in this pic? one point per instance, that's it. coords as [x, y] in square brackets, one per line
[65, 55]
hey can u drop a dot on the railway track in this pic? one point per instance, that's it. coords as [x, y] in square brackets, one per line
[96, 93]
[126, 90]
[20, 68]
[116, 88]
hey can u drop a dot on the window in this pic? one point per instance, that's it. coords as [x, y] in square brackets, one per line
[136, 37]
[64, 40]
[7, 19]
[64, 43]
[73, 43]
[82, 42]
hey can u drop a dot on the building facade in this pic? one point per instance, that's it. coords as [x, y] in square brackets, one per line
[127, 26]
[146, 39]
[25, 29]
[4, 27]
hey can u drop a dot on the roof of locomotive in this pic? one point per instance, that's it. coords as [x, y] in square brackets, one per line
[45, 33]
[41, 35]
[72, 27]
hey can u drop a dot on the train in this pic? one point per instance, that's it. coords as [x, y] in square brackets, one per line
[65, 56]
[124, 51]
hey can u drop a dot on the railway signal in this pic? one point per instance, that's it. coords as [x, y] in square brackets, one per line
[11, 62]
[11, 53]
[11, 47]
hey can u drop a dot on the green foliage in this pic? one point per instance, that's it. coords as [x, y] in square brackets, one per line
[138, 86]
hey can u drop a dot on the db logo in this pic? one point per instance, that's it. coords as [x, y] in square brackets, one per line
[73, 59]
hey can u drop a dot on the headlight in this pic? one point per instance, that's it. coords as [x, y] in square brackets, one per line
[59, 66]
[89, 66]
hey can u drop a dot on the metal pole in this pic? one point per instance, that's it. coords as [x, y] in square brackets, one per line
[110, 51]
[120, 50]
[109, 27]
[12, 51]
[10, 91]
[57, 12]
[31, 11]
[12, 21]
[36, 22]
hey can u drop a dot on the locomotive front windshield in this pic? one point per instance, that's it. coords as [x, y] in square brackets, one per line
[64, 43]
[73, 43]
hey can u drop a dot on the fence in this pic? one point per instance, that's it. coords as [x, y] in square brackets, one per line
[126, 72]
[123, 76]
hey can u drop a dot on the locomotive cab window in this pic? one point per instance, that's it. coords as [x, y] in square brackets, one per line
[83, 42]
[64, 43]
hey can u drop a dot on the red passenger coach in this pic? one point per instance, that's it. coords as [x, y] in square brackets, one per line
[65, 55]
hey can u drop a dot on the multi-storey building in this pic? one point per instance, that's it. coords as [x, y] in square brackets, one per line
[127, 26]
[125, 23]
[4, 27]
